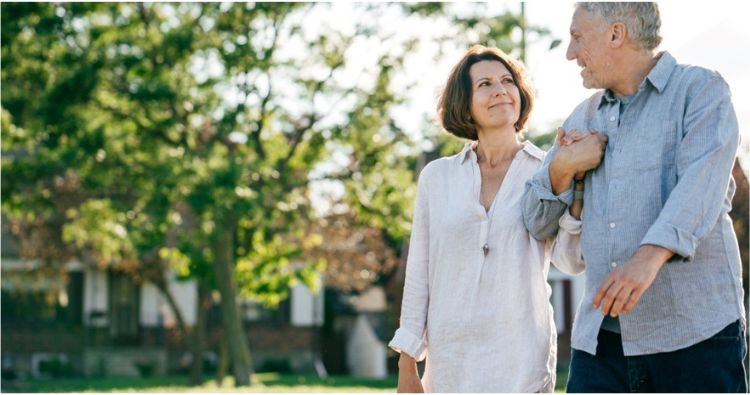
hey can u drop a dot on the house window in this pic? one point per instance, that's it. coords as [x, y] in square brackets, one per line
[124, 301]
[255, 312]
[24, 304]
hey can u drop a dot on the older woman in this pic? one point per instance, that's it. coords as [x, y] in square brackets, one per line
[476, 301]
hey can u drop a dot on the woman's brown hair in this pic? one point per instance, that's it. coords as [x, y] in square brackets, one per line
[454, 106]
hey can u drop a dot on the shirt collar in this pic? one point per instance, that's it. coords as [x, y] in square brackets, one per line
[657, 77]
[466, 152]
[528, 147]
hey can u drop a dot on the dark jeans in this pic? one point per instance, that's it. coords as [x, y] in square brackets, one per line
[713, 365]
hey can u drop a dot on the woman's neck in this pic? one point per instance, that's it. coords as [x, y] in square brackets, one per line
[497, 146]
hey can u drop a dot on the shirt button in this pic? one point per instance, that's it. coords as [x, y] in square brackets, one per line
[612, 118]
[613, 264]
[611, 225]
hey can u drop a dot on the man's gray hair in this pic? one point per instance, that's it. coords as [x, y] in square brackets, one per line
[642, 20]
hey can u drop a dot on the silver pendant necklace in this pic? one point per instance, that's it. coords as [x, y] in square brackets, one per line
[490, 213]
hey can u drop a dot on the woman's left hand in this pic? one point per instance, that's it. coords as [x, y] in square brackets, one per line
[571, 137]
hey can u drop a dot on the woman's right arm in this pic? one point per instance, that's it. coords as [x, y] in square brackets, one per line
[409, 339]
[566, 247]
[408, 376]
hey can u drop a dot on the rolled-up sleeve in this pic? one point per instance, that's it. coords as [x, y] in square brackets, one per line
[410, 336]
[704, 160]
[541, 207]
[566, 247]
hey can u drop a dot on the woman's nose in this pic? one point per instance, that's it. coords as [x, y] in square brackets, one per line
[500, 89]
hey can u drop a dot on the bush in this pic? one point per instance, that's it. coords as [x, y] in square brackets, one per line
[146, 368]
[56, 368]
[276, 365]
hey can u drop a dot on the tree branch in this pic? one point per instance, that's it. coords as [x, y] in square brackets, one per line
[155, 132]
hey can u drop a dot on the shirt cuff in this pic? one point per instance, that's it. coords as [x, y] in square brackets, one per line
[406, 342]
[679, 241]
[569, 224]
[543, 188]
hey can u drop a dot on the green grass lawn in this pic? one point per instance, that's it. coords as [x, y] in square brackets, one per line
[263, 382]
[562, 375]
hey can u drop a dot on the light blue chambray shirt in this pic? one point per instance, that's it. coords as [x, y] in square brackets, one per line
[665, 180]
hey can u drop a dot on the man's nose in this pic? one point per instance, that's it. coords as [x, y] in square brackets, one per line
[570, 53]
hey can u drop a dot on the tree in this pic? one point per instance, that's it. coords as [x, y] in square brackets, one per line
[63, 163]
[180, 136]
[192, 137]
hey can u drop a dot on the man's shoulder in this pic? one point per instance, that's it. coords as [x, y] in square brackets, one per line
[691, 70]
[591, 101]
[689, 76]
[584, 111]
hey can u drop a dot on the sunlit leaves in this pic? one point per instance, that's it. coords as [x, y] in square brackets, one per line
[100, 228]
[354, 255]
[176, 125]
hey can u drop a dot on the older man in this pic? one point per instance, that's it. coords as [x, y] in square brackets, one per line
[663, 307]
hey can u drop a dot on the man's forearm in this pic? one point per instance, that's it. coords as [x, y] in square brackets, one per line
[655, 254]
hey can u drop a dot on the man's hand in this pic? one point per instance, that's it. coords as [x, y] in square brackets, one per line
[577, 154]
[623, 288]
[408, 376]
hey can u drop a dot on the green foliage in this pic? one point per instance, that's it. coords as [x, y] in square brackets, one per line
[137, 151]
[97, 226]
[544, 140]
[142, 132]
[56, 368]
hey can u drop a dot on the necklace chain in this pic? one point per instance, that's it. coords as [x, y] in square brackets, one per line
[486, 246]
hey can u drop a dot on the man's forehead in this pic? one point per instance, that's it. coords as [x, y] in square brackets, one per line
[583, 19]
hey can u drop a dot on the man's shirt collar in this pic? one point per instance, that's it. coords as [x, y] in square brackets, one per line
[657, 77]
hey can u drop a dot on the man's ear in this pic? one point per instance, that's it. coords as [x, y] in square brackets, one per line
[618, 32]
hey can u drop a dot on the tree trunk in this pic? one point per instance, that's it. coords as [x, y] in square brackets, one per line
[199, 335]
[223, 251]
[221, 370]
[161, 284]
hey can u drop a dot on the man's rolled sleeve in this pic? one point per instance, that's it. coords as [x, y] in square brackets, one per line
[542, 208]
[704, 162]
[668, 236]
[542, 186]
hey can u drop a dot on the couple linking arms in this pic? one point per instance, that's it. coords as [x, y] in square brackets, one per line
[663, 304]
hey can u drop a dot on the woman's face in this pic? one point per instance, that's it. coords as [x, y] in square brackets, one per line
[495, 98]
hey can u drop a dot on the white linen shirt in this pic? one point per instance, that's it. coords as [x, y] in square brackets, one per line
[484, 323]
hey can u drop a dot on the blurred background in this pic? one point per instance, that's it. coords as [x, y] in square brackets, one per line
[218, 196]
